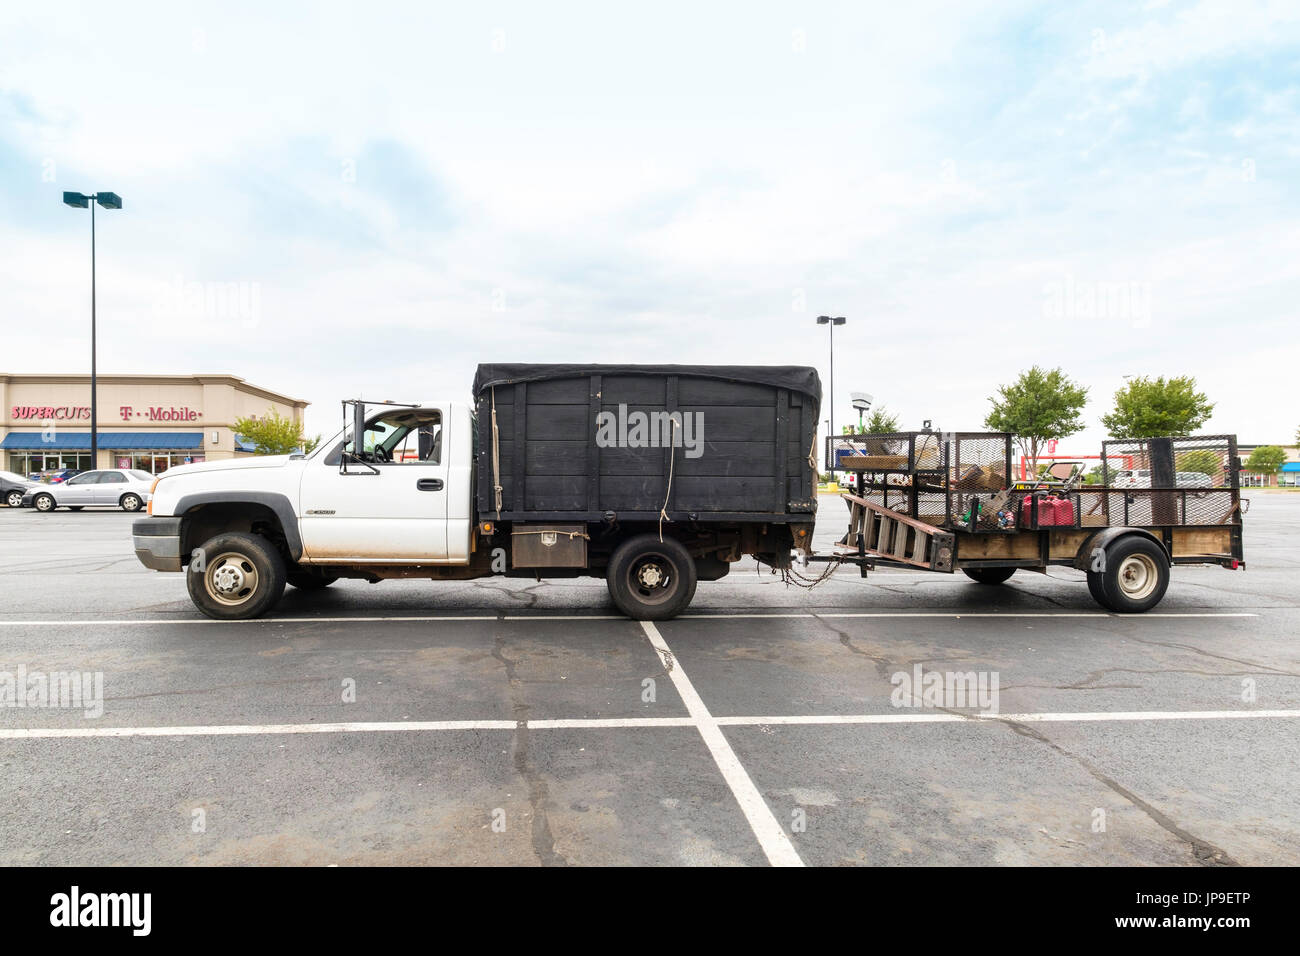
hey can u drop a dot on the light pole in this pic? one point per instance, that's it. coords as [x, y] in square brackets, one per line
[81, 201]
[831, 322]
[862, 402]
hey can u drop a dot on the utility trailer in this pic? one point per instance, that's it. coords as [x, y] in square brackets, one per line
[947, 502]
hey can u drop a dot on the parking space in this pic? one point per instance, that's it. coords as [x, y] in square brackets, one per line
[515, 722]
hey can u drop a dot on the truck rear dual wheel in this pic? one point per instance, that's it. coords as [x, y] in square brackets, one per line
[242, 576]
[1136, 576]
[649, 579]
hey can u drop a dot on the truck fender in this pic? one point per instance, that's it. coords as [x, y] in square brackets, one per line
[278, 503]
[1091, 555]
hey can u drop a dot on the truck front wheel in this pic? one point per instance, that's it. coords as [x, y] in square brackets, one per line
[1135, 577]
[649, 579]
[239, 576]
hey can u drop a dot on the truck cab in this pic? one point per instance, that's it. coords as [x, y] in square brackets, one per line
[403, 500]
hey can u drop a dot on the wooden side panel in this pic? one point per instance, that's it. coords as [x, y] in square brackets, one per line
[1195, 542]
[753, 448]
[985, 547]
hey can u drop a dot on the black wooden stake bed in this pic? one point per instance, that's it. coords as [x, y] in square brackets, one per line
[717, 460]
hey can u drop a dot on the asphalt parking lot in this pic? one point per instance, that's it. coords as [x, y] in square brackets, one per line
[510, 722]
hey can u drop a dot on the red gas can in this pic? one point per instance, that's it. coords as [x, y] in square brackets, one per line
[1063, 512]
[1027, 511]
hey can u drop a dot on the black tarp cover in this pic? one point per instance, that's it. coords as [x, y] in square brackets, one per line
[799, 378]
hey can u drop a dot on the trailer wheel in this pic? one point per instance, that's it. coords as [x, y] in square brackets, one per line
[989, 575]
[1136, 576]
[651, 580]
[241, 576]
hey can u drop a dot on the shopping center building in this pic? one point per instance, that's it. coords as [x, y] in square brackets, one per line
[149, 422]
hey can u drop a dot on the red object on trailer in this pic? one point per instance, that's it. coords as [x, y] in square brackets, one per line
[1062, 511]
[1027, 510]
[1052, 512]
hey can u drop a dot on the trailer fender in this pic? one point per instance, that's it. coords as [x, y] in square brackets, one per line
[1091, 555]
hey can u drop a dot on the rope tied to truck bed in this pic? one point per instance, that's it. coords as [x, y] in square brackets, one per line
[672, 458]
[496, 456]
[555, 531]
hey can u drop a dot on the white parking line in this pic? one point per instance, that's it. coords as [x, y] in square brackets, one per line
[771, 837]
[960, 614]
[601, 723]
[943, 717]
[430, 619]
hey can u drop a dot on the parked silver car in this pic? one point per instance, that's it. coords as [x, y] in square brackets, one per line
[113, 488]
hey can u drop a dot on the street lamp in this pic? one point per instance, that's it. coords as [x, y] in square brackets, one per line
[81, 201]
[862, 402]
[831, 323]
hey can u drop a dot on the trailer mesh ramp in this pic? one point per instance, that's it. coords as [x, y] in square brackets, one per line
[879, 532]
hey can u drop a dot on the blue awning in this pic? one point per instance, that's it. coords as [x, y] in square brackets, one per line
[244, 444]
[1291, 466]
[112, 441]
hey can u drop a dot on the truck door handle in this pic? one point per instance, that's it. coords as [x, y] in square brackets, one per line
[429, 484]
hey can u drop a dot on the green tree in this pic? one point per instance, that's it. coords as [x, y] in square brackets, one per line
[1036, 408]
[881, 421]
[1266, 459]
[274, 434]
[1093, 475]
[1202, 460]
[1158, 407]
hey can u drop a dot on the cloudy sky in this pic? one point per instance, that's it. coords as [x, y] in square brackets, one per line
[370, 198]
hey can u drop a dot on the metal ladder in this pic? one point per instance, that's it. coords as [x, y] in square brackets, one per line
[876, 531]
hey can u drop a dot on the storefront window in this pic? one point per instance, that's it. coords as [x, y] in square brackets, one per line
[46, 463]
[159, 461]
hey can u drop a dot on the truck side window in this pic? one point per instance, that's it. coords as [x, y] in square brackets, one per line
[408, 437]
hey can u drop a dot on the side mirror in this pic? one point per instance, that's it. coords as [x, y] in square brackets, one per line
[358, 429]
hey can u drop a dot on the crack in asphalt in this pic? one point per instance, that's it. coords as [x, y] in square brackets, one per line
[543, 841]
[1204, 852]
[1218, 657]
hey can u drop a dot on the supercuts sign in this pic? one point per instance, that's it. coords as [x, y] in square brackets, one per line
[62, 413]
[75, 413]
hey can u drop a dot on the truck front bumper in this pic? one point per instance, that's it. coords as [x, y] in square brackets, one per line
[158, 542]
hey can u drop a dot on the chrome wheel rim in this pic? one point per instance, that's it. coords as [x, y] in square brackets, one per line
[44, 503]
[15, 499]
[131, 503]
[231, 579]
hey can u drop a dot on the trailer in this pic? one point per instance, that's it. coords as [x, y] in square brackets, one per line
[948, 502]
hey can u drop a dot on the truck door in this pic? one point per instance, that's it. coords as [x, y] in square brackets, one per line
[391, 506]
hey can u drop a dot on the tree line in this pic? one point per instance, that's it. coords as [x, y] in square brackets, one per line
[1043, 405]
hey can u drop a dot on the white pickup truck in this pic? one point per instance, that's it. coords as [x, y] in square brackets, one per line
[535, 479]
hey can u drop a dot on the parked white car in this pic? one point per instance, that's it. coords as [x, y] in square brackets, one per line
[1141, 478]
[112, 488]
